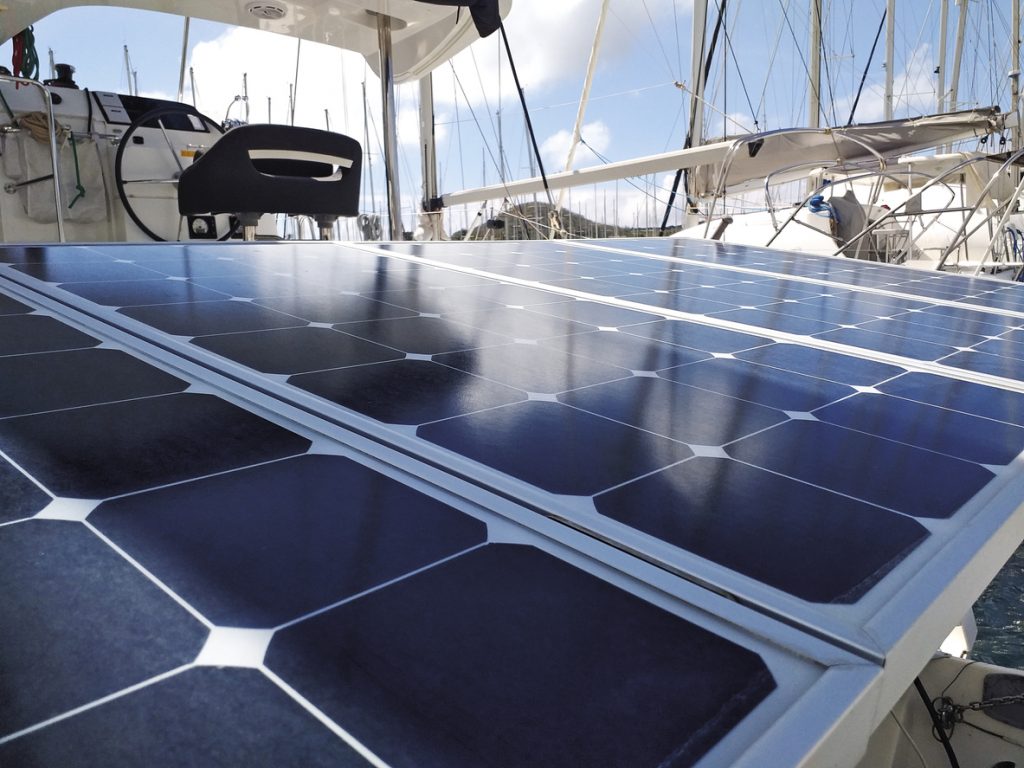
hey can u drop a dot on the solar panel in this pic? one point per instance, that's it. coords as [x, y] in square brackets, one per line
[426, 498]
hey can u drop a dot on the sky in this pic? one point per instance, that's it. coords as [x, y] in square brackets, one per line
[639, 103]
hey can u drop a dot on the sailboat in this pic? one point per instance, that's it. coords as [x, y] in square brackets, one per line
[616, 502]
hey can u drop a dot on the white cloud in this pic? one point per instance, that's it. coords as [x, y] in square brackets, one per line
[328, 79]
[555, 149]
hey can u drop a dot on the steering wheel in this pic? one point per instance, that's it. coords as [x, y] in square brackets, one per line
[161, 172]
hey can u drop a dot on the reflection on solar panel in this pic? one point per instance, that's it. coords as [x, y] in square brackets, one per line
[615, 503]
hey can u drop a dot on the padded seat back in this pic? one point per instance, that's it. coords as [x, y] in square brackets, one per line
[257, 169]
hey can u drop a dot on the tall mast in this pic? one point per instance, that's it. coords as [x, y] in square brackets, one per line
[1015, 75]
[700, 23]
[940, 88]
[387, 84]
[581, 113]
[890, 46]
[428, 147]
[814, 91]
[961, 28]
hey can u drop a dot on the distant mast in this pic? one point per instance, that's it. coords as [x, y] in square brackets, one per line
[814, 91]
[890, 48]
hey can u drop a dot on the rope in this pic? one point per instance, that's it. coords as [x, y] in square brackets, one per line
[78, 176]
[25, 58]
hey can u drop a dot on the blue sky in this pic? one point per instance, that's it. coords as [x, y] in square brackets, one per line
[636, 107]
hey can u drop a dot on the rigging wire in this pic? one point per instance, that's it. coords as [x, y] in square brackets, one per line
[771, 64]
[863, 77]
[529, 122]
[796, 43]
[743, 84]
[661, 46]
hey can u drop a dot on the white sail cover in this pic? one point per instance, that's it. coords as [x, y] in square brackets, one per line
[789, 153]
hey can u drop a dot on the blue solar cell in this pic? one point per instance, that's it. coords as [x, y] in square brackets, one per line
[203, 716]
[296, 350]
[423, 335]
[406, 391]
[818, 313]
[595, 314]
[978, 324]
[696, 336]
[822, 364]
[775, 290]
[99, 451]
[519, 659]
[9, 306]
[1011, 298]
[533, 368]
[54, 380]
[811, 543]
[583, 453]
[785, 390]
[19, 496]
[964, 396]
[680, 302]
[520, 323]
[884, 342]
[262, 546]
[123, 293]
[961, 317]
[85, 271]
[435, 301]
[776, 321]
[864, 466]
[209, 317]
[953, 337]
[80, 609]
[625, 351]
[334, 308]
[24, 334]
[981, 362]
[191, 266]
[1003, 348]
[592, 286]
[723, 296]
[667, 408]
[926, 426]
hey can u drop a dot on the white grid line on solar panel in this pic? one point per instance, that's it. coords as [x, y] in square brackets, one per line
[848, 349]
[742, 325]
[336, 439]
[849, 266]
[640, 544]
[780, 661]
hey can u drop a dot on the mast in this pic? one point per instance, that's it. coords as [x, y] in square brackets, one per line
[961, 28]
[940, 70]
[890, 46]
[184, 57]
[814, 91]
[700, 22]
[128, 70]
[1015, 74]
[587, 83]
[428, 145]
[387, 85]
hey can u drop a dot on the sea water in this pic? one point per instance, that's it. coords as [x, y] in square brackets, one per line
[999, 613]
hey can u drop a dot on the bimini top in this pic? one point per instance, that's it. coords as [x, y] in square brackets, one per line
[425, 33]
